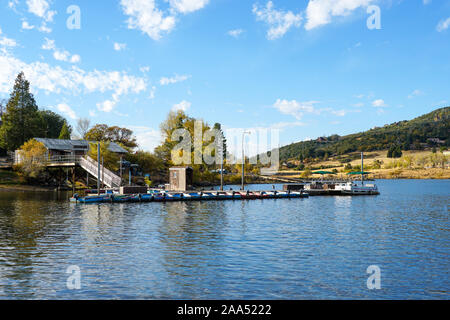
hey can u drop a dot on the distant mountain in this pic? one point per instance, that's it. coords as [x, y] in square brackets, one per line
[431, 129]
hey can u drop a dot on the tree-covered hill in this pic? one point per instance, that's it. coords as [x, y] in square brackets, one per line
[428, 130]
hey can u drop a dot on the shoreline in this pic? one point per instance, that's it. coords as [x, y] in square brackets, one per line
[34, 188]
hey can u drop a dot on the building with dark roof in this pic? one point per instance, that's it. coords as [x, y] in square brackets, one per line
[60, 147]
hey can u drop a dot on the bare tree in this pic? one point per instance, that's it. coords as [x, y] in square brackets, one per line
[83, 126]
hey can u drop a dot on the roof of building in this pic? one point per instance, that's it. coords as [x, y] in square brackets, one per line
[71, 145]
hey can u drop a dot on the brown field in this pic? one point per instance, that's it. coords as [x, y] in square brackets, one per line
[388, 170]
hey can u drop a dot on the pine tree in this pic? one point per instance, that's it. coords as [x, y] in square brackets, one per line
[65, 132]
[21, 121]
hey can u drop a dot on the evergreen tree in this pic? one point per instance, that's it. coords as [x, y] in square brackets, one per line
[21, 121]
[65, 132]
[53, 123]
[218, 126]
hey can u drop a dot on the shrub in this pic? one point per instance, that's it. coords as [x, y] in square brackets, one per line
[33, 157]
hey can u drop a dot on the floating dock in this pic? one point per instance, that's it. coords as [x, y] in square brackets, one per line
[188, 196]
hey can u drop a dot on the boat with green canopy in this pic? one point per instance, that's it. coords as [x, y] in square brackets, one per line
[353, 188]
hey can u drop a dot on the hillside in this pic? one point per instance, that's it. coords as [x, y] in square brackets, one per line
[429, 130]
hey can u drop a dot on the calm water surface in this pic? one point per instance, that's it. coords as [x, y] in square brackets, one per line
[262, 249]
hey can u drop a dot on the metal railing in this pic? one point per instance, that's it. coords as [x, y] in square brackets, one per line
[108, 177]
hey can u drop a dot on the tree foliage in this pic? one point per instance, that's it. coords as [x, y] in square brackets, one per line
[53, 123]
[405, 134]
[32, 154]
[110, 159]
[65, 132]
[21, 121]
[122, 136]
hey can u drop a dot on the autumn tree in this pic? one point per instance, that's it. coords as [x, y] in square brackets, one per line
[33, 155]
[175, 120]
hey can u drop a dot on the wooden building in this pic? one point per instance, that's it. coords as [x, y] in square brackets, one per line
[181, 178]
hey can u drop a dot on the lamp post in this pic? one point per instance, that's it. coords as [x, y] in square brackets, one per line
[243, 158]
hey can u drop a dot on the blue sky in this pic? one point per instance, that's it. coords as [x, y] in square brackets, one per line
[308, 68]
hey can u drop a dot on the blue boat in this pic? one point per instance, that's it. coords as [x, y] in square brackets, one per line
[147, 197]
[191, 196]
[91, 199]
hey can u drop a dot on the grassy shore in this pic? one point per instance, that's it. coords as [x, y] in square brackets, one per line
[412, 165]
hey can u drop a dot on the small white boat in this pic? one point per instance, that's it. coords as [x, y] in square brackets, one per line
[355, 189]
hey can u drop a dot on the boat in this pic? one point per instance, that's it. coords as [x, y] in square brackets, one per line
[224, 195]
[92, 198]
[125, 198]
[146, 197]
[352, 188]
[191, 196]
[207, 196]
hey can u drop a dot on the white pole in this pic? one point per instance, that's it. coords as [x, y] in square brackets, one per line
[362, 168]
[98, 168]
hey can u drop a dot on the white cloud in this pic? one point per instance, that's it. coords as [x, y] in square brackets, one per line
[48, 44]
[12, 4]
[119, 46]
[295, 108]
[75, 58]
[107, 105]
[235, 33]
[41, 9]
[177, 78]
[415, 93]
[70, 81]
[187, 6]
[65, 109]
[152, 92]
[147, 138]
[284, 125]
[425, 2]
[379, 103]
[7, 42]
[59, 54]
[44, 28]
[183, 106]
[144, 69]
[320, 12]
[145, 16]
[340, 113]
[443, 25]
[279, 21]
[26, 25]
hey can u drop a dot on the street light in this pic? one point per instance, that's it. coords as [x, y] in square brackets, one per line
[243, 158]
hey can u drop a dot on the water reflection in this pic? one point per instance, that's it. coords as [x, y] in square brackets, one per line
[298, 248]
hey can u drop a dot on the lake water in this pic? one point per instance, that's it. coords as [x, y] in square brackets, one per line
[316, 248]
